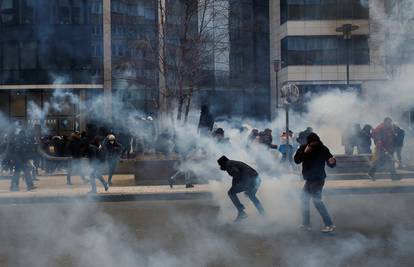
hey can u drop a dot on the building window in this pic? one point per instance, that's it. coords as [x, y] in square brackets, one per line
[323, 10]
[11, 56]
[8, 12]
[28, 55]
[324, 50]
[27, 11]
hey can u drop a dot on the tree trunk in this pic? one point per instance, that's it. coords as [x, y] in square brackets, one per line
[187, 107]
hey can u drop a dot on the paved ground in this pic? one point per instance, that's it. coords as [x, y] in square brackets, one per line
[373, 230]
[54, 188]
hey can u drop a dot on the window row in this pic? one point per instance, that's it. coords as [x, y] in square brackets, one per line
[13, 12]
[51, 76]
[31, 55]
[323, 9]
[324, 50]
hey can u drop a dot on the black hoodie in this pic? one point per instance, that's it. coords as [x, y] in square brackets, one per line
[313, 161]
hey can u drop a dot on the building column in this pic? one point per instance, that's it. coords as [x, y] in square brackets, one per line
[82, 110]
[107, 58]
[162, 69]
[275, 54]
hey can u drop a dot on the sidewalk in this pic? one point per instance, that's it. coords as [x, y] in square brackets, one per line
[54, 189]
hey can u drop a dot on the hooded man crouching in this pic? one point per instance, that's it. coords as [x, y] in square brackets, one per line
[313, 155]
[245, 179]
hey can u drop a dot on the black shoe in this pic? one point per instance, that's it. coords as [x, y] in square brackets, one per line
[106, 187]
[241, 216]
[110, 183]
[171, 183]
[31, 188]
[189, 186]
[372, 177]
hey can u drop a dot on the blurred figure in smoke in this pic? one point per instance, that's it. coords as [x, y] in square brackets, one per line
[313, 156]
[286, 149]
[350, 138]
[399, 143]
[266, 139]
[206, 123]
[364, 145]
[97, 160]
[245, 179]
[188, 157]
[384, 139]
[218, 135]
[253, 136]
[165, 143]
[75, 152]
[113, 152]
[303, 136]
[20, 151]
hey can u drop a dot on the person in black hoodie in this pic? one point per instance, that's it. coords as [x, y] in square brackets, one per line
[206, 123]
[75, 151]
[97, 160]
[314, 155]
[245, 179]
[113, 152]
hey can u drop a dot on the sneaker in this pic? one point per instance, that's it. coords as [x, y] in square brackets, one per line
[171, 182]
[306, 228]
[328, 229]
[189, 186]
[110, 183]
[31, 188]
[106, 187]
[241, 216]
[372, 177]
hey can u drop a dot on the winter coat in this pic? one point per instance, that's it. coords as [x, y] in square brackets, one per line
[240, 171]
[112, 151]
[313, 162]
[384, 137]
[74, 147]
[399, 137]
[206, 121]
[95, 153]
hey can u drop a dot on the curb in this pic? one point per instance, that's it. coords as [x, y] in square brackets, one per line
[107, 198]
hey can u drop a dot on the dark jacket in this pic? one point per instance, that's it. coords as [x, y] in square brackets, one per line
[206, 120]
[112, 151]
[399, 137]
[313, 162]
[74, 147]
[95, 153]
[240, 171]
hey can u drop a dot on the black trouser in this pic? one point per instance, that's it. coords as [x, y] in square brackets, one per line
[26, 169]
[250, 188]
[313, 190]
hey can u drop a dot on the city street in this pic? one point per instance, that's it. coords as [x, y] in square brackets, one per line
[372, 230]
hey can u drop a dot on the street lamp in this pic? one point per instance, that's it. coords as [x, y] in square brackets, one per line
[347, 30]
[276, 69]
[290, 94]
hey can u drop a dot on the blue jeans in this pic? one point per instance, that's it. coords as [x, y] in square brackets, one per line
[97, 174]
[250, 188]
[313, 189]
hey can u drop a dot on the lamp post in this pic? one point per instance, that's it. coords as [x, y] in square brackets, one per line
[290, 94]
[276, 69]
[347, 30]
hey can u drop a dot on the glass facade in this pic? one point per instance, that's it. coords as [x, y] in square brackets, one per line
[50, 41]
[324, 50]
[323, 10]
[134, 74]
